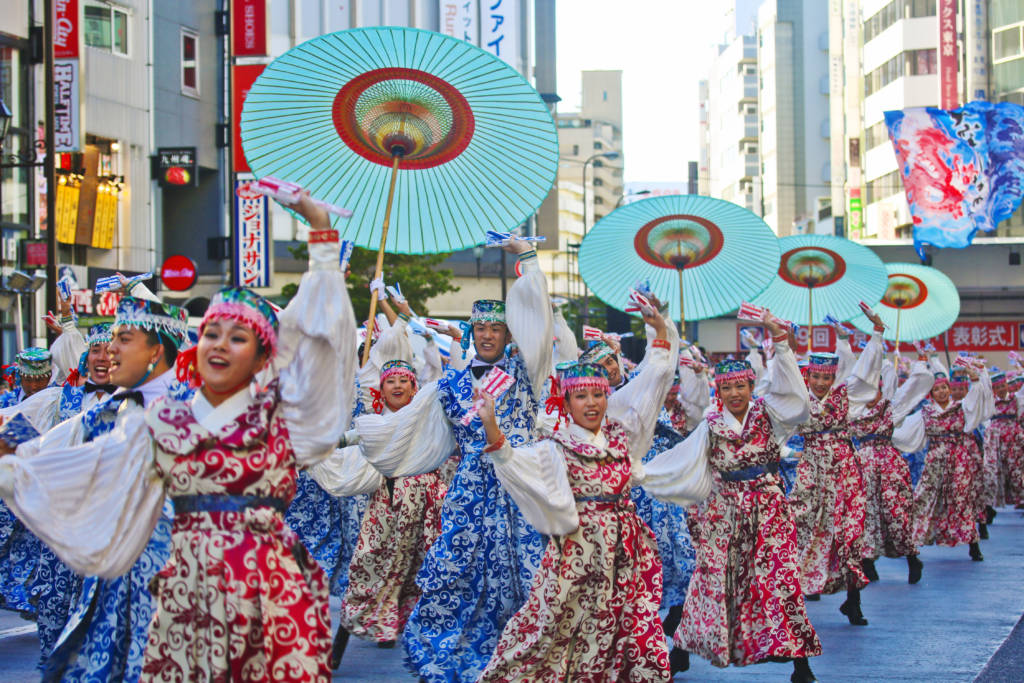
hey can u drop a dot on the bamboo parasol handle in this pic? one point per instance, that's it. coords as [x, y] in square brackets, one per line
[380, 261]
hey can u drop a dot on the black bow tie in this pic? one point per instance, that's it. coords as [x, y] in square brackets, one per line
[480, 368]
[129, 396]
[91, 387]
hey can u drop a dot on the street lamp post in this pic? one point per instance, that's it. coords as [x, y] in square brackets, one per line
[590, 160]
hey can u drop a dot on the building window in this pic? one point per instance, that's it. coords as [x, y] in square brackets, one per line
[575, 150]
[895, 11]
[1006, 43]
[884, 186]
[106, 28]
[909, 63]
[598, 145]
[598, 182]
[189, 63]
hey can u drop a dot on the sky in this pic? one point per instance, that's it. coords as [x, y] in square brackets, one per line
[663, 47]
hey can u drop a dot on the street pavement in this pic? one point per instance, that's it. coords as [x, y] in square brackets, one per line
[962, 622]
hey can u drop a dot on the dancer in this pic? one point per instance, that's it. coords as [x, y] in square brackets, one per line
[944, 510]
[1004, 452]
[239, 599]
[828, 495]
[744, 604]
[592, 609]
[889, 496]
[477, 573]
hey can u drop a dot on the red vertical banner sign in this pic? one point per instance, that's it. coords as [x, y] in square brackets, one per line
[67, 76]
[949, 56]
[242, 78]
[250, 30]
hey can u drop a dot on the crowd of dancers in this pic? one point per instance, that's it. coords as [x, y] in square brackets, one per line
[177, 512]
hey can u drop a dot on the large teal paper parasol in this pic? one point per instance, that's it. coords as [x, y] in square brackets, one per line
[707, 254]
[429, 140]
[821, 274]
[920, 302]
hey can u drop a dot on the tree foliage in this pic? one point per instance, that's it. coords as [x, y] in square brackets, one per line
[420, 277]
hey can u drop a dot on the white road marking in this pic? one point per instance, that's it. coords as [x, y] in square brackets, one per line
[17, 631]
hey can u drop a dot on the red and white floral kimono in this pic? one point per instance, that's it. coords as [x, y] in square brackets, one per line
[1004, 454]
[744, 603]
[828, 496]
[889, 495]
[944, 500]
[592, 611]
[240, 599]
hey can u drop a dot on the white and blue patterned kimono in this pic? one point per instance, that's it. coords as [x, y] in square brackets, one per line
[477, 573]
[107, 628]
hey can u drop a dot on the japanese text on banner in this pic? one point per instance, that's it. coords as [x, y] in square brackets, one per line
[252, 244]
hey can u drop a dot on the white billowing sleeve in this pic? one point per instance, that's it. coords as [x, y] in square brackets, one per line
[94, 504]
[345, 472]
[914, 390]
[862, 381]
[457, 359]
[67, 349]
[694, 396]
[317, 357]
[40, 408]
[682, 474]
[566, 348]
[988, 396]
[847, 359]
[432, 367]
[637, 405]
[414, 440]
[937, 367]
[890, 380]
[537, 479]
[910, 435]
[528, 315]
[785, 399]
[754, 358]
[974, 405]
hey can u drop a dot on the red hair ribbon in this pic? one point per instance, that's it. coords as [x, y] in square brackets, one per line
[185, 367]
[556, 403]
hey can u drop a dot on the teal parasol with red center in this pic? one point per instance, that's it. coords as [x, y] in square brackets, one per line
[920, 302]
[707, 255]
[820, 275]
[428, 140]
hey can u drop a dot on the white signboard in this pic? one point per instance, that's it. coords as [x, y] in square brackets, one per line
[500, 30]
[66, 105]
[461, 19]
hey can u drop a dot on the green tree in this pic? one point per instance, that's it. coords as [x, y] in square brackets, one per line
[420, 277]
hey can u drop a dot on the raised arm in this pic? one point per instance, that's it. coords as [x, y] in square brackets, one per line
[68, 348]
[785, 396]
[682, 474]
[317, 347]
[974, 403]
[566, 348]
[862, 382]
[914, 390]
[528, 315]
[94, 504]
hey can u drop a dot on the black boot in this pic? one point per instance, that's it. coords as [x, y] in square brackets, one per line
[983, 531]
[976, 553]
[914, 567]
[386, 644]
[672, 619]
[990, 514]
[851, 608]
[802, 671]
[678, 660]
[813, 597]
[868, 566]
[338, 647]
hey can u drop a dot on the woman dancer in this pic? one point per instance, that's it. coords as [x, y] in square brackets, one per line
[744, 603]
[944, 510]
[828, 496]
[1004, 477]
[889, 496]
[592, 609]
[239, 599]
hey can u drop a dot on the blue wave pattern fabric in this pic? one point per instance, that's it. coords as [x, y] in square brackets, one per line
[106, 633]
[963, 169]
[668, 522]
[477, 573]
[70, 403]
[19, 556]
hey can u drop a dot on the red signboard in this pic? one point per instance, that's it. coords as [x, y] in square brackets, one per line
[949, 56]
[250, 36]
[241, 80]
[178, 273]
[65, 29]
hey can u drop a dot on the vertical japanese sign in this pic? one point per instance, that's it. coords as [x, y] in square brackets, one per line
[252, 237]
[500, 29]
[250, 30]
[976, 49]
[948, 56]
[242, 78]
[67, 77]
[459, 19]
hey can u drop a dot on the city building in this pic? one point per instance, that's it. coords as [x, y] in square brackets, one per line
[793, 105]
